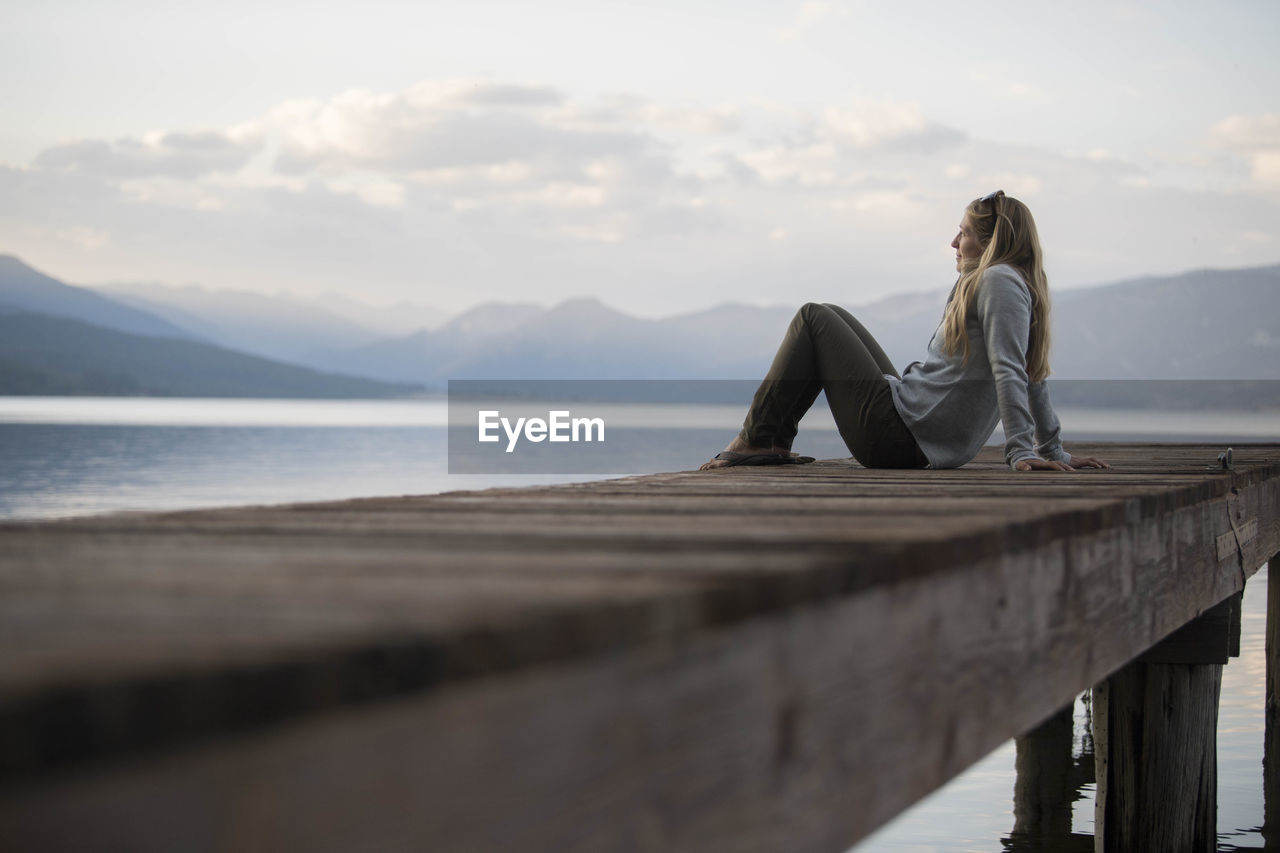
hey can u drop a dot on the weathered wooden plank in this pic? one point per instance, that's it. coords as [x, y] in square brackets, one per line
[650, 689]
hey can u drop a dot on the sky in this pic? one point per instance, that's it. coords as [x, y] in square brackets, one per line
[661, 156]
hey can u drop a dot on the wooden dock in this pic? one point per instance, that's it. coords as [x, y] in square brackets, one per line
[768, 659]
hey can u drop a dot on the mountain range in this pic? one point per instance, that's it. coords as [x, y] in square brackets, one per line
[56, 339]
[272, 326]
[1202, 325]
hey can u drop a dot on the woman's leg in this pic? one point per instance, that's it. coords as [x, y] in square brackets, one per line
[894, 446]
[823, 351]
[872, 345]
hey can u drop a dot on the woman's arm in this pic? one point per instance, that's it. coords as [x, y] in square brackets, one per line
[1049, 435]
[1003, 305]
[1048, 429]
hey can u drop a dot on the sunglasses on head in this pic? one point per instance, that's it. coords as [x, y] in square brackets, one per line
[994, 199]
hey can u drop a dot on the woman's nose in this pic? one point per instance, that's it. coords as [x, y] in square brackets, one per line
[955, 242]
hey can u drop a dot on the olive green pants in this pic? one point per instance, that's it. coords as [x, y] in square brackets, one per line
[827, 350]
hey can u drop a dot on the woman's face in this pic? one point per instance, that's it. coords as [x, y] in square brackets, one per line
[966, 244]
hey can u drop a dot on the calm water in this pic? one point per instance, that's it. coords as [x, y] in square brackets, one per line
[974, 812]
[74, 456]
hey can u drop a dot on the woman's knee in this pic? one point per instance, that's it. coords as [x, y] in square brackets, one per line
[811, 311]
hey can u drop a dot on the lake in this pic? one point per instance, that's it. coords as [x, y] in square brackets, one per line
[74, 456]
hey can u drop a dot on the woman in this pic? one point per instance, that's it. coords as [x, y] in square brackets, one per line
[987, 361]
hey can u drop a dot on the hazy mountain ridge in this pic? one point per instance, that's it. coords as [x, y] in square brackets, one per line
[25, 290]
[46, 355]
[272, 326]
[1202, 325]
[1206, 324]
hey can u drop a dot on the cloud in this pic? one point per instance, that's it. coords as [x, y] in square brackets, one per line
[634, 111]
[1001, 81]
[1256, 138]
[480, 189]
[809, 16]
[849, 144]
[1247, 133]
[458, 135]
[868, 124]
[175, 154]
[486, 94]
[85, 238]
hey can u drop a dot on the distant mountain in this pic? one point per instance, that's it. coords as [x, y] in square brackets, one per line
[1207, 324]
[23, 289]
[45, 355]
[1202, 325]
[578, 339]
[393, 320]
[278, 327]
[429, 353]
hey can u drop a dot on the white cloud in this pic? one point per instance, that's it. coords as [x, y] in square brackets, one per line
[810, 15]
[1247, 133]
[849, 144]
[1266, 168]
[1026, 91]
[632, 110]
[85, 238]
[484, 189]
[1012, 183]
[1001, 81]
[814, 165]
[1256, 138]
[371, 189]
[866, 124]
[171, 192]
[438, 126]
[173, 154]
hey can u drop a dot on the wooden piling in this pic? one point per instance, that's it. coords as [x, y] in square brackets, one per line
[1158, 788]
[1157, 724]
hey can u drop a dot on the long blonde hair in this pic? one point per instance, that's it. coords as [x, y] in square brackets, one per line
[1008, 234]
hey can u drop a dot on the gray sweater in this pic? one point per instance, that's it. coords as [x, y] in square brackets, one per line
[952, 407]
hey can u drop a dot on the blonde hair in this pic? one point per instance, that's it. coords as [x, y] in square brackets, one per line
[1008, 235]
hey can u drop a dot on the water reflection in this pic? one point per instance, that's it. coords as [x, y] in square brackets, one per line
[1054, 770]
[1055, 813]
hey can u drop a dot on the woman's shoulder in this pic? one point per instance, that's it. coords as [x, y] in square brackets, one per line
[1003, 274]
[1004, 279]
[1002, 283]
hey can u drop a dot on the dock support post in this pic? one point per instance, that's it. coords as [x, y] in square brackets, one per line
[1155, 736]
[1158, 783]
[1271, 745]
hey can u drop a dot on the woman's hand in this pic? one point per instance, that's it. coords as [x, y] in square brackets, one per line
[1076, 462]
[1042, 465]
